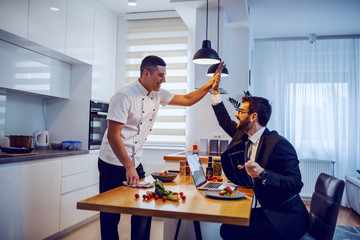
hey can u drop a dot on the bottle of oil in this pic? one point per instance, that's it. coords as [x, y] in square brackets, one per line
[209, 169]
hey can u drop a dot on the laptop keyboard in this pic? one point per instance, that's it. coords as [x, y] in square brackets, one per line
[212, 184]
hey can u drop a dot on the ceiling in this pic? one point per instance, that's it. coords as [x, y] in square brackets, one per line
[267, 19]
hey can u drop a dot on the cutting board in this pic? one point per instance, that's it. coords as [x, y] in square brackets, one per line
[17, 154]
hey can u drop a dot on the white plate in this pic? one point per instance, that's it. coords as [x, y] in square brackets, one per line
[140, 185]
[215, 194]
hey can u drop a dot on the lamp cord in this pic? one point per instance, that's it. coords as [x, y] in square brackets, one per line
[218, 26]
[207, 11]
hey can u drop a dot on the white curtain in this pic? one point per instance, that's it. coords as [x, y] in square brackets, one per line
[317, 100]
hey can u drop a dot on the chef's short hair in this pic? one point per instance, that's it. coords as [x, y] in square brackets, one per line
[151, 63]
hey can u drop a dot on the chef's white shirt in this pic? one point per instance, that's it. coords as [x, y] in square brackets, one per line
[137, 111]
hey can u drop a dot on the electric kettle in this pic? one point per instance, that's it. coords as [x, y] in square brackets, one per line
[42, 140]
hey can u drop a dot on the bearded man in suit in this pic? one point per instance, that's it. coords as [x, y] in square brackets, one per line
[263, 160]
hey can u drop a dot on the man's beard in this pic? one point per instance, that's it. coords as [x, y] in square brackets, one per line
[244, 125]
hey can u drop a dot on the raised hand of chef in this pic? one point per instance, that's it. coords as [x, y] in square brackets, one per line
[253, 169]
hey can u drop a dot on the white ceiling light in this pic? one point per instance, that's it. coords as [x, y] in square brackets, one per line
[132, 3]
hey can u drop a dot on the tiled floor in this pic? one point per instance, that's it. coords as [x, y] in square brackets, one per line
[91, 231]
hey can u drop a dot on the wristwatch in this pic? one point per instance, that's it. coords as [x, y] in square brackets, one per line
[263, 176]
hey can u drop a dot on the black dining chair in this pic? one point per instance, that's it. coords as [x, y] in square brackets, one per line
[324, 207]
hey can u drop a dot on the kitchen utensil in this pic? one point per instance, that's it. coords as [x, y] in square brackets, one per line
[215, 194]
[20, 141]
[42, 140]
[15, 150]
[56, 145]
[170, 177]
[71, 145]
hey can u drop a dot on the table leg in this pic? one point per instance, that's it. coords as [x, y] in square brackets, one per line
[197, 230]
[177, 229]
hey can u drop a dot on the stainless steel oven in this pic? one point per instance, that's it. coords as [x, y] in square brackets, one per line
[97, 123]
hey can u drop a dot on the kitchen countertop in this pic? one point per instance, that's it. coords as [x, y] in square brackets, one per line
[42, 154]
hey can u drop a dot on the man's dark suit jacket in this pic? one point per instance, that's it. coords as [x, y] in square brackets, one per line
[279, 196]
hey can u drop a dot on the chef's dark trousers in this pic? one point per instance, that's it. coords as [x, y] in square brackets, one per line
[112, 176]
[260, 228]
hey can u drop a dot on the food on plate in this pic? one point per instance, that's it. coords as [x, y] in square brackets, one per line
[163, 173]
[214, 179]
[227, 192]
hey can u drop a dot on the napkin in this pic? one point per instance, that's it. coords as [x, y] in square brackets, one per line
[140, 185]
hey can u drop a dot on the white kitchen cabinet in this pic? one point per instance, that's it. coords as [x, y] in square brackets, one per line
[104, 38]
[103, 84]
[47, 23]
[80, 30]
[30, 199]
[79, 181]
[28, 71]
[14, 16]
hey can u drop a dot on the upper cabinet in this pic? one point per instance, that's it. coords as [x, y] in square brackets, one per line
[28, 71]
[47, 23]
[80, 30]
[104, 39]
[14, 16]
[70, 31]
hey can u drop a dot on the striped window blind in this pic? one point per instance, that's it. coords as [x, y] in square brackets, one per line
[168, 39]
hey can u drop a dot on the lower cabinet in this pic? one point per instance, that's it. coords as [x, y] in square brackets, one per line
[30, 199]
[38, 198]
[69, 214]
[79, 179]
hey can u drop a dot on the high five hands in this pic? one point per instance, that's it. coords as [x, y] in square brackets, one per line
[217, 77]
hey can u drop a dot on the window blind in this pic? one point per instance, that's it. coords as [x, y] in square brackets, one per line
[168, 39]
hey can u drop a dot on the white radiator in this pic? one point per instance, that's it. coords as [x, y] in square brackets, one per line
[310, 170]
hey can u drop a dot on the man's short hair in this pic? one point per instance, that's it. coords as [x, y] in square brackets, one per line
[259, 105]
[151, 63]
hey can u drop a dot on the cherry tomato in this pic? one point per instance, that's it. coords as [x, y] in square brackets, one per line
[176, 193]
[144, 196]
[164, 198]
[181, 193]
[137, 195]
[183, 197]
[150, 195]
[156, 197]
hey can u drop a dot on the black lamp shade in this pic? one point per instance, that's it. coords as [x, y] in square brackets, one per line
[212, 70]
[206, 55]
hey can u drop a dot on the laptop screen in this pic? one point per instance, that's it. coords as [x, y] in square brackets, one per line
[196, 168]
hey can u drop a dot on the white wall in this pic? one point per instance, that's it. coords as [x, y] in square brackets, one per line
[24, 114]
[263, 72]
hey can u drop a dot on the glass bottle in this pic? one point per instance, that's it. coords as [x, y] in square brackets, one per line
[182, 168]
[209, 169]
[195, 149]
[217, 168]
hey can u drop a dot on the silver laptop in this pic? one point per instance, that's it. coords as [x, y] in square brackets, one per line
[198, 175]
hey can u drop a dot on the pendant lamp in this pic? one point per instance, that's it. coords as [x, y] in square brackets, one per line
[206, 55]
[212, 68]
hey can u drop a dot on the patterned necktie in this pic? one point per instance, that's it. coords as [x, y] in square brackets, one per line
[248, 151]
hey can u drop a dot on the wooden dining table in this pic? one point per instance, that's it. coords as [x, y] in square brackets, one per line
[195, 207]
